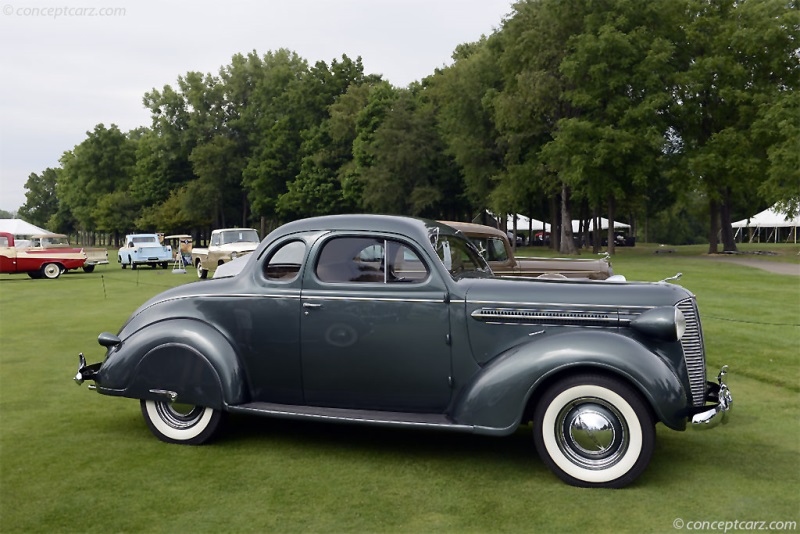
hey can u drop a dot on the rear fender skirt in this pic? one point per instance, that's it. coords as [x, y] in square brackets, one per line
[184, 356]
[496, 397]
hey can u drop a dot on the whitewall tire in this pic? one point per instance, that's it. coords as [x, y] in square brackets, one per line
[594, 431]
[51, 270]
[181, 423]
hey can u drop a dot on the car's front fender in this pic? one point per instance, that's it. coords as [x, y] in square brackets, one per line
[184, 356]
[494, 401]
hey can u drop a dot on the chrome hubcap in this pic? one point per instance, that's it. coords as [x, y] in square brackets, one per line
[592, 433]
[179, 416]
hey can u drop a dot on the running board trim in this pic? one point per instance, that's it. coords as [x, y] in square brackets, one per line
[343, 415]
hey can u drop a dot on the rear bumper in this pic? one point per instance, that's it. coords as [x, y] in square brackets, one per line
[719, 395]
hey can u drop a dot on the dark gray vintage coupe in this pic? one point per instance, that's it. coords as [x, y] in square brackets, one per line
[400, 322]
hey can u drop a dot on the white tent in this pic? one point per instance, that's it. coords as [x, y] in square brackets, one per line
[523, 222]
[576, 224]
[770, 219]
[18, 227]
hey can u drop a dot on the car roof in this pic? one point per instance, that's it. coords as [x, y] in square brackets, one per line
[412, 227]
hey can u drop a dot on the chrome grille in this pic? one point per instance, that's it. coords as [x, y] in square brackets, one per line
[694, 351]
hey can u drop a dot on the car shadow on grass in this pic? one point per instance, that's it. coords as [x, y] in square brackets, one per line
[515, 452]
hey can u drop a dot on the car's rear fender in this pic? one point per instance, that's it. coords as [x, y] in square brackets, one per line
[495, 399]
[186, 357]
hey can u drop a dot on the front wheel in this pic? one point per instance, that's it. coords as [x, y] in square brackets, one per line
[88, 268]
[202, 274]
[594, 431]
[181, 423]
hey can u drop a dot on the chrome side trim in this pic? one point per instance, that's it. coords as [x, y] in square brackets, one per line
[544, 316]
[372, 299]
[350, 416]
[541, 305]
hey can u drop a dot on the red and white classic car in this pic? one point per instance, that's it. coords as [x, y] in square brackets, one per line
[37, 262]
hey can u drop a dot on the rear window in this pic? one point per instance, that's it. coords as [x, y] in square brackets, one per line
[285, 263]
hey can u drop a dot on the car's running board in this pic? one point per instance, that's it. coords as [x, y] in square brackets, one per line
[342, 415]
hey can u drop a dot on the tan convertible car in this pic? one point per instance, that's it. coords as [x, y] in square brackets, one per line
[495, 247]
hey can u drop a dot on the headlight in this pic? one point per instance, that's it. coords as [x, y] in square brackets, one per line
[680, 323]
[667, 323]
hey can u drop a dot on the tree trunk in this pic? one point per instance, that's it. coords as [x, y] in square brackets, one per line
[612, 242]
[585, 219]
[596, 246]
[554, 222]
[713, 212]
[728, 240]
[514, 234]
[567, 244]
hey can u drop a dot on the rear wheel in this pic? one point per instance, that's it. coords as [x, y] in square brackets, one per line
[181, 423]
[594, 431]
[88, 268]
[51, 270]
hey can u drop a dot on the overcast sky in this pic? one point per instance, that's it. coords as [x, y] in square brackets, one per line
[66, 69]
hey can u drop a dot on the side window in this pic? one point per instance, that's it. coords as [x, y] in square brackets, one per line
[497, 250]
[285, 263]
[369, 260]
[3, 241]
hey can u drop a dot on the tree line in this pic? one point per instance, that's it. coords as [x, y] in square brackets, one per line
[675, 115]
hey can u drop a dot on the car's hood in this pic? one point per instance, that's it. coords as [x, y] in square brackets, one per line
[521, 291]
[241, 246]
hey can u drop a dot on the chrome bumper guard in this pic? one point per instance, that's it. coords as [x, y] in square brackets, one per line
[718, 393]
[86, 372]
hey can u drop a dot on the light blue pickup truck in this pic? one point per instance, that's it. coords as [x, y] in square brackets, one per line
[144, 249]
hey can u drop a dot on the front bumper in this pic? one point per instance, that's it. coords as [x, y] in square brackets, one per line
[719, 394]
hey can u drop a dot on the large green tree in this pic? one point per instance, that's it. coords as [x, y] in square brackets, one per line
[618, 71]
[463, 95]
[404, 169]
[737, 60]
[100, 165]
[41, 201]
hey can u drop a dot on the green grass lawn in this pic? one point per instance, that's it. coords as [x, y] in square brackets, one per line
[75, 461]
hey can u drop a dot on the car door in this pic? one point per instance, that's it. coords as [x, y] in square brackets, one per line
[375, 327]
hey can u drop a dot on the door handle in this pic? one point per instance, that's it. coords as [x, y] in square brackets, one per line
[312, 305]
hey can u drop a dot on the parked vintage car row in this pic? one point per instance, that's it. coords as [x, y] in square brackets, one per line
[45, 256]
[400, 322]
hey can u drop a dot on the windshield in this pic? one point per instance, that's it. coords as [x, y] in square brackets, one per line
[459, 256]
[148, 239]
[239, 236]
[54, 242]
